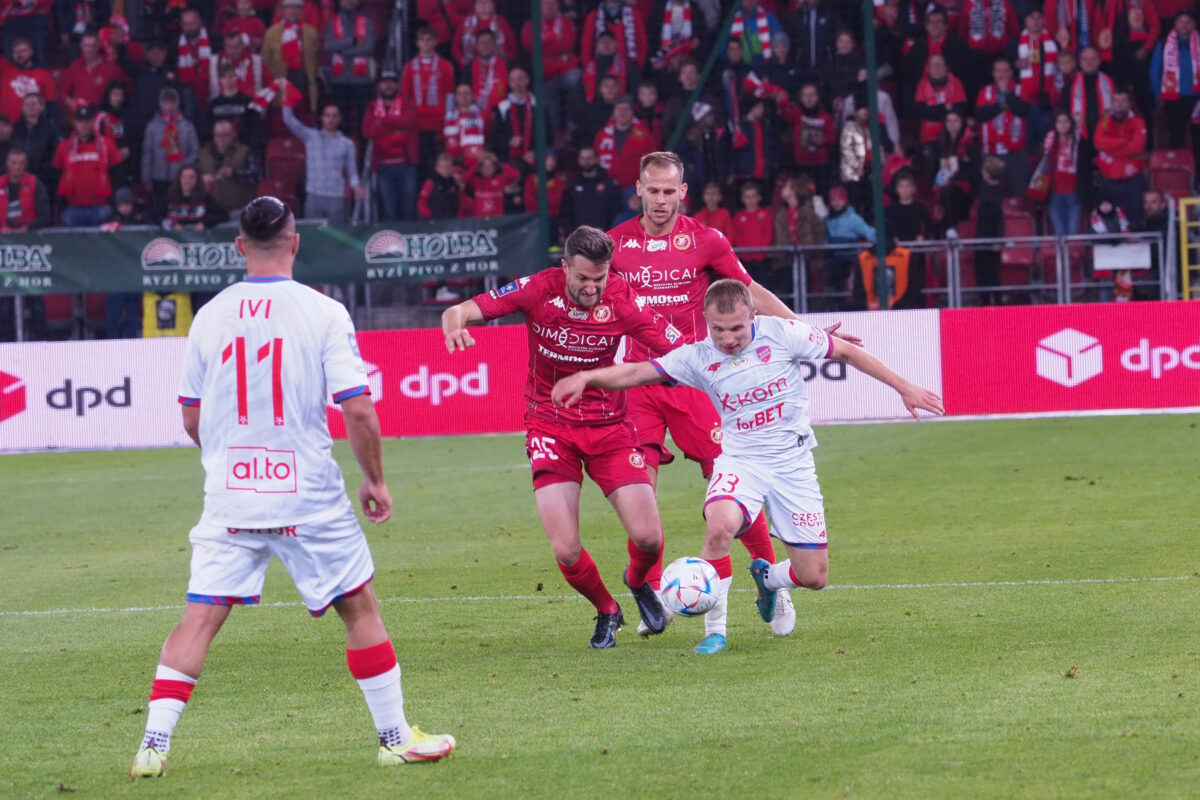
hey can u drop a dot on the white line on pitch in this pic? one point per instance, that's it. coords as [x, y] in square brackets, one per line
[504, 597]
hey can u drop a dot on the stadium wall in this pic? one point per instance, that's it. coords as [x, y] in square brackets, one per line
[1011, 360]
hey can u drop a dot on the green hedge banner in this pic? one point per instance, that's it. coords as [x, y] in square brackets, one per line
[159, 261]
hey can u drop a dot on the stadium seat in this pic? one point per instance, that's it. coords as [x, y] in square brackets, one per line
[285, 192]
[966, 258]
[1016, 263]
[60, 315]
[285, 159]
[1172, 159]
[1172, 172]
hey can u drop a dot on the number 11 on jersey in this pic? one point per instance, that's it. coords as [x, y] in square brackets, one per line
[237, 351]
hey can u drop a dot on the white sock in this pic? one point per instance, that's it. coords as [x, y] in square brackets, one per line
[385, 699]
[779, 576]
[163, 713]
[715, 619]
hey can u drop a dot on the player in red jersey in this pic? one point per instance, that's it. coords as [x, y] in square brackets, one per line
[670, 260]
[576, 316]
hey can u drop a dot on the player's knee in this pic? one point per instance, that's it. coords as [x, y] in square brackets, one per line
[811, 576]
[718, 534]
[647, 537]
[567, 553]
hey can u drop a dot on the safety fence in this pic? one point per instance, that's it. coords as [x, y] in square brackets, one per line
[1008, 360]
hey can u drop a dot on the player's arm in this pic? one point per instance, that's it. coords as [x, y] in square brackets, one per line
[568, 390]
[765, 302]
[914, 396]
[454, 324]
[191, 422]
[362, 430]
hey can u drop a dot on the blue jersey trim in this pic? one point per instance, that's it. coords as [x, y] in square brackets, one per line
[267, 279]
[348, 393]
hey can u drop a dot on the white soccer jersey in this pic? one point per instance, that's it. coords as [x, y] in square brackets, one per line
[263, 358]
[759, 392]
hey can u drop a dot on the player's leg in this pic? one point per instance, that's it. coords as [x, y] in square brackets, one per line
[227, 569]
[558, 507]
[724, 517]
[645, 414]
[372, 662]
[635, 505]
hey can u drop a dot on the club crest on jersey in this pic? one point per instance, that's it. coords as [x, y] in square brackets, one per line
[713, 367]
[716, 434]
[636, 461]
[682, 241]
[763, 353]
[655, 245]
[602, 313]
[634, 243]
[672, 333]
[578, 314]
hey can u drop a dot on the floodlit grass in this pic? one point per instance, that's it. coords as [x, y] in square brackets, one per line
[1011, 614]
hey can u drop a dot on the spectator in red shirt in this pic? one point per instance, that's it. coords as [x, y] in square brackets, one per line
[443, 17]
[389, 122]
[425, 82]
[248, 24]
[620, 18]
[485, 18]
[21, 78]
[465, 128]
[489, 184]
[84, 160]
[754, 226]
[555, 184]
[89, 75]
[560, 58]
[938, 94]
[649, 112]
[1120, 141]
[24, 202]
[1061, 160]
[487, 72]
[622, 143]
[813, 135]
[713, 215]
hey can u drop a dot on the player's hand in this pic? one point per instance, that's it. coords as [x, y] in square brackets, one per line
[567, 391]
[849, 338]
[376, 502]
[459, 339]
[915, 397]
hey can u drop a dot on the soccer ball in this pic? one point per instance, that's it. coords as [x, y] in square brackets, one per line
[689, 586]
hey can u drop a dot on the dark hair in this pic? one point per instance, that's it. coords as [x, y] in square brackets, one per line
[263, 219]
[726, 295]
[592, 243]
[20, 151]
[168, 95]
[485, 32]
[175, 190]
[229, 35]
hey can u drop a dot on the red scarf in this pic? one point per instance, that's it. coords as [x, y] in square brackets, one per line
[464, 133]
[1005, 133]
[359, 65]
[987, 21]
[1040, 53]
[26, 194]
[669, 34]
[591, 80]
[1170, 65]
[108, 124]
[762, 27]
[628, 25]
[426, 89]
[1104, 90]
[512, 108]
[105, 35]
[266, 95]
[291, 45]
[171, 141]
[486, 81]
[193, 60]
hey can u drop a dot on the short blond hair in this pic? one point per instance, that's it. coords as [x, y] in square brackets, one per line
[726, 295]
[661, 158]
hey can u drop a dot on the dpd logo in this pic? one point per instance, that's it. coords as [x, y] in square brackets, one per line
[440, 385]
[1069, 357]
[12, 395]
[82, 398]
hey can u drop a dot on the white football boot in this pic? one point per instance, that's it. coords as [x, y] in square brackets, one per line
[784, 621]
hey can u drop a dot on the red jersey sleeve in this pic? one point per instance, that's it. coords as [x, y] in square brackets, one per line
[508, 299]
[722, 260]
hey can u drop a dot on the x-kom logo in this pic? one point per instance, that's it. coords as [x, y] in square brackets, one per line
[12, 396]
[1069, 357]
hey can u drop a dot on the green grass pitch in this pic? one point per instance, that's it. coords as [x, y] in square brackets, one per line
[1012, 613]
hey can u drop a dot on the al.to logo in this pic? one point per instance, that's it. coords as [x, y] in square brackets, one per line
[257, 469]
[1069, 357]
[12, 395]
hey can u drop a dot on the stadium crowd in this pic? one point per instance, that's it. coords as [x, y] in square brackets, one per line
[1068, 115]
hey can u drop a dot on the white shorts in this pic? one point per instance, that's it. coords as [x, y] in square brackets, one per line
[788, 489]
[327, 561]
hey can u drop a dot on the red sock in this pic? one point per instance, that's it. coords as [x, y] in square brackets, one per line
[585, 578]
[371, 661]
[723, 566]
[757, 540]
[654, 572]
[641, 562]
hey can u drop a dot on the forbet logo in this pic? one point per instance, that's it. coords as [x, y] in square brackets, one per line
[1069, 357]
[12, 395]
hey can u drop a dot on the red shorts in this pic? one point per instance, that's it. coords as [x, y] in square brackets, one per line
[688, 413]
[559, 453]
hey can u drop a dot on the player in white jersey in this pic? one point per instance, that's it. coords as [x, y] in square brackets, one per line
[749, 368]
[262, 359]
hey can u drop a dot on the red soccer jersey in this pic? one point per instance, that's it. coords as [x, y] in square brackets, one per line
[565, 339]
[672, 273]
